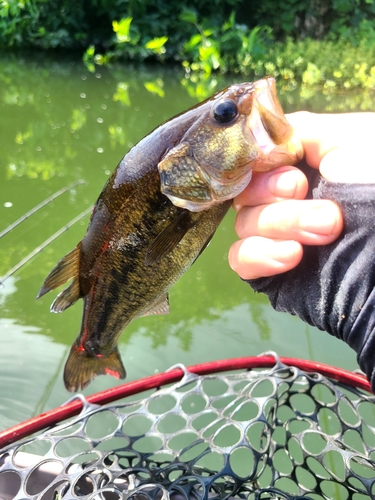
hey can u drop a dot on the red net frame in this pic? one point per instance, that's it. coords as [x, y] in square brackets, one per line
[72, 408]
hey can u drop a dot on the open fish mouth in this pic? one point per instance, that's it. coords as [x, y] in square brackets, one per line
[262, 100]
[271, 130]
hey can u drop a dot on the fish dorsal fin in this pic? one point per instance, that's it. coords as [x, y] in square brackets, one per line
[169, 238]
[81, 367]
[160, 306]
[67, 268]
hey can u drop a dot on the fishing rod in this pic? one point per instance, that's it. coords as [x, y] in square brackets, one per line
[38, 207]
[44, 244]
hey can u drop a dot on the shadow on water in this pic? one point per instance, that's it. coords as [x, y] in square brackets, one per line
[60, 124]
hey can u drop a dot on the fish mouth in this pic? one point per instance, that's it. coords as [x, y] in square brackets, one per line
[266, 128]
[270, 129]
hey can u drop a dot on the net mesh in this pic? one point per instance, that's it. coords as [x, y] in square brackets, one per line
[268, 434]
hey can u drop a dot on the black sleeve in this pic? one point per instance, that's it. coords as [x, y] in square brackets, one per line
[333, 286]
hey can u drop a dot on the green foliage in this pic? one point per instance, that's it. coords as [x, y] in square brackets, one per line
[326, 64]
[208, 37]
[122, 29]
[310, 18]
[42, 24]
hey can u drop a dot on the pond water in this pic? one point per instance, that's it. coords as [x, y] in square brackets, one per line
[60, 123]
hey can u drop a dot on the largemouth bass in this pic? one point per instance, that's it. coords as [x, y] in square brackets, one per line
[157, 213]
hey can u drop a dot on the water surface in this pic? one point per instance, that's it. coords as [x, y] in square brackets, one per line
[59, 123]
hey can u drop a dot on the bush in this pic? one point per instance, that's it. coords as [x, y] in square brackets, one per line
[206, 37]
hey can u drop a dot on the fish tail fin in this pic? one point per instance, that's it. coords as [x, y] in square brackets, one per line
[67, 268]
[82, 367]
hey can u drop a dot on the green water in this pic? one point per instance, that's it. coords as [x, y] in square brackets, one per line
[60, 123]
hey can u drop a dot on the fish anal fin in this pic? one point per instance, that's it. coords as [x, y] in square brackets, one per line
[67, 268]
[160, 306]
[81, 367]
[66, 298]
[169, 238]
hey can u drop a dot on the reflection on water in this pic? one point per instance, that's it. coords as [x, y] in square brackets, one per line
[30, 365]
[59, 124]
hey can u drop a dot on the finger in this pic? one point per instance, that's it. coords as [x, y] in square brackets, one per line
[275, 185]
[321, 133]
[348, 164]
[258, 257]
[311, 222]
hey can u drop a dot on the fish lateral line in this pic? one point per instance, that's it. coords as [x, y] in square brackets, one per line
[105, 246]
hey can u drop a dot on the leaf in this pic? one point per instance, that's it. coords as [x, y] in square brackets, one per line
[156, 44]
[188, 16]
[89, 54]
[193, 42]
[231, 22]
[122, 29]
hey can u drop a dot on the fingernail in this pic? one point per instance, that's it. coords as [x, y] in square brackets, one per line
[318, 220]
[283, 251]
[284, 184]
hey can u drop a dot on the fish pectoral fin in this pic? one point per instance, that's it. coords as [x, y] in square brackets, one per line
[66, 298]
[81, 367]
[67, 268]
[160, 306]
[169, 238]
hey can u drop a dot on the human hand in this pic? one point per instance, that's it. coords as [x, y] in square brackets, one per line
[274, 220]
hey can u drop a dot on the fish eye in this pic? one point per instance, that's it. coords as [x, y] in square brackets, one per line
[225, 111]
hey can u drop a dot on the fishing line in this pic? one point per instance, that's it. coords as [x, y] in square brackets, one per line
[38, 207]
[44, 244]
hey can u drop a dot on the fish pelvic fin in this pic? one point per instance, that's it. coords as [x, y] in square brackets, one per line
[82, 367]
[67, 268]
[66, 298]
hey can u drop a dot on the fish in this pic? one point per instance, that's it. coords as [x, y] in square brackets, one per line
[157, 213]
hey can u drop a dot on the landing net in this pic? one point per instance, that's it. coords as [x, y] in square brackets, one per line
[279, 433]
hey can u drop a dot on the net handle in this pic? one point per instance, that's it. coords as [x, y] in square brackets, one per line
[74, 407]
